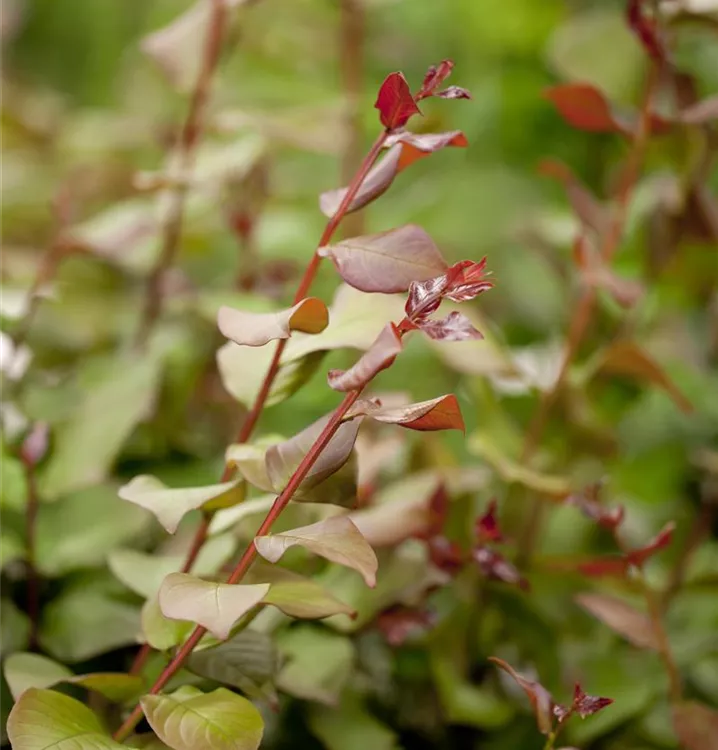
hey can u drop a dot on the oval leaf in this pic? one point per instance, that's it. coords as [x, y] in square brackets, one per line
[622, 618]
[215, 606]
[378, 357]
[48, 720]
[584, 107]
[305, 599]
[395, 102]
[257, 329]
[25, 670]
[442, 413]
[171, 505]
[159, 631]
[387, 262]
[337, 539]
[189, 720]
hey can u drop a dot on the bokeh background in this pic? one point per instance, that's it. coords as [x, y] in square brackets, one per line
[87, 119]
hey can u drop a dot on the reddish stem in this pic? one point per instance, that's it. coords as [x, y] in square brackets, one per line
[249, 555]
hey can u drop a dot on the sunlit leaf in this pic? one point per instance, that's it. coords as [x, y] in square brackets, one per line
[696, 725]
[48, 720]
[170, 505]
[115, 686]
[442, 413]
[539, 697]
[434, 77]
[215, 606]
[159, 631]
[378, 357]
[189, 719]
[256, 329]
[395, 102]
[336, 539]
[386, 262]
[622, 618]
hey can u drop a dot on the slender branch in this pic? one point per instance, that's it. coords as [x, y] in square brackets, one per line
[583, 316]
[185, 150]
[249, 555]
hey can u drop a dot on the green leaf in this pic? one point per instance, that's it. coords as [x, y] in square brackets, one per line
[14, 627]
[305, 599]
[13, 488]
[143, 573]
[247, 661]
[249, 461]
[171, 505]
[11, 547]
[89, 441]
[25, 670]
[159, 631]
[115, 686]
[319, 663]
[215, 606]
[336, 538]
[189, 719]
[93, 522]
[46, 720]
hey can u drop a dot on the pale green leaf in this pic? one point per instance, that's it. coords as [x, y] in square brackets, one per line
[190, 720]
[25, 670]
[305, 599]
[159, 631]
[14, 627]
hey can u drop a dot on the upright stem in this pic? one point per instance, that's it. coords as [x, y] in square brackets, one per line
[185, 149]
[249, 555]
[33, 581]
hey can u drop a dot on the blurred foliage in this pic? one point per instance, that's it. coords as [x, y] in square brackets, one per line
[87, 121]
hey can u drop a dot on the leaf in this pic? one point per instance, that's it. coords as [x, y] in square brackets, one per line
[247, 661]
[511, 471]
[540, 699]
[14, 627]
[215, 606]
[588, 500]
[466, 280]
[634, 626]
[454, 327]
[435, 76]
[453, 92]
[170, 505]
[115, 686]
[584, 107]
[399, 624]
[336, 538]
[283, 459]
[587, 705]
[178, 48]
[24, 670]
[378, 357]
[35, 445]
[442, 413]
[93, 521]
[418, 145]
[305, 599]
[88, 442]
[696, 725]
[257, 329]
[395, 102]
[659, 542]
[386, 262]
[159, 631]
[496, 567]
[701, 112]
[628, 358]
[249, 461]
[48, 720]
[487, 527]
[189, 719]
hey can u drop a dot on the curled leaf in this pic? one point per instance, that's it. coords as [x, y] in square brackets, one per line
[487, 525]
[435, 76]
[442, 413]
[395, 102]
[378, 357]
[215, 606]
[622, 618]
[445, 554]
[588, 500]
[418, 145]
[540, 699]
[454, 327]
[466, 280]
[305, 599]
[587, 705]
[336, 539]
[387, 262]
[256, 329]
[660, 541]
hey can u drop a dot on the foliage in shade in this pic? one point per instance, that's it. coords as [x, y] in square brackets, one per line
[622, 618]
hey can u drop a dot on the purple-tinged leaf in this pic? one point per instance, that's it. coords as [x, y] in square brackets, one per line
[622, 618]
[435, 76]
[454, 327]
[387, 262]
[257, 329]
[588, 502]
[540, 698]
[487, 525]
[453, 92]
[660, 541]
[442, 413]
[696, 726]
[378, 357]
[645, 29]
[419, 145]
[424, 298]
[496, 567]
[445, 554]
[587, 705]
[466, 280]
[400, 624]
[395, 102]
[335, 538]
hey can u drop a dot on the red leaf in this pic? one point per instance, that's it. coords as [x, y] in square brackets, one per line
[496, 567]
[586, 705]
[645, 29]
[395, 102]
[442, 413]
[453, 92]
[662, 539]
[399, 624]
[604, 566]
[589, 503]
[445, 554]
[540, 698]
[438, 511]
[378, 357]
[454, 327]
[35, 444]
[487, 526]
[466, 280]
[584, 107]
[435, 76]
[425, 297]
